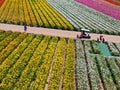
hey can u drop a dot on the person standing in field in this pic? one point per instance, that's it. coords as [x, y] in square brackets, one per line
[101, 38]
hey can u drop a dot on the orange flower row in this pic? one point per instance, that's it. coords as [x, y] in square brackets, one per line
[116, 2]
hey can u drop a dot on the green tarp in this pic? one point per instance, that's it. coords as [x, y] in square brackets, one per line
[104, 49]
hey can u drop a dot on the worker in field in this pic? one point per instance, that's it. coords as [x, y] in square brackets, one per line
[101, 38]
[25, 27]
[97, 39]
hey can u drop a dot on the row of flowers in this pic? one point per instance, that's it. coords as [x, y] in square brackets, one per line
[91, 69]
[14, 56]
[95, 47]
[59, 59]
[4, 10]
[16, 15]
[43, 71]
[117, 46]
[21, 18]
[69, 67]
[89, 48]
[26, 12]
[105, 73]
[4, 35]
[102, 8]
[82, 16]
[1, 2]
[81, 67]
[30, 12]
[93, 73]
[9, 14]
[116, 2]
[11, 46]
[14, 73]
[7, 40]
[37, 13]
[35, 62]
[113, 49]
[118, 62]
[114, 70]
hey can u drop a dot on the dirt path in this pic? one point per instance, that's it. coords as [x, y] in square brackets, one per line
[56, 32]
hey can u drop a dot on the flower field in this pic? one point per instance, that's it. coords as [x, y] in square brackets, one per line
[27, 59]
[38, 62]
[102, 8]
[62, 14]
[33, 13]
[82, 16]
[94, 71]
[41, 62]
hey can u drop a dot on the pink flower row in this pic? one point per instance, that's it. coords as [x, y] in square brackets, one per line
[109, 10]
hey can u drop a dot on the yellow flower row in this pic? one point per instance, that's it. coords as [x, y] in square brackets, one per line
[29, 58]
[59, 58]
[21, 12]
[58, 17]
[43, 71]
[34, 13]
[12, 45]
[26, 13]
[7, 40]
[12, 58]
[4, 10]
[31, 14]
[14, 73]
[16, 15]
[10, 15]
[4, 34]
[68, 81]
[35, 61]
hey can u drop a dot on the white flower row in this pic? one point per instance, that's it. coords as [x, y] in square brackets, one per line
[114, 70]
[95, 47]
[113, 49]
[92, 68]
[81, 68]
[93, 73]
[82, 16]
[118, 46]
[106, 74]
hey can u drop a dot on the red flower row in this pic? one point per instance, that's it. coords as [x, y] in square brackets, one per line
[116, 2]
[1, 2]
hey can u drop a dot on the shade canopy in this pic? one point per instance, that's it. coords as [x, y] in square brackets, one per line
[86, 30]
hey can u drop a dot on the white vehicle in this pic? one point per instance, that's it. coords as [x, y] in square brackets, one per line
[84, 34]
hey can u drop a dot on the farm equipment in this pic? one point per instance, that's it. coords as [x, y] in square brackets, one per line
[84, 34]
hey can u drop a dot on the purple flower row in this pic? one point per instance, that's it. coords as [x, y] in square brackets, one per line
[111, 11]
